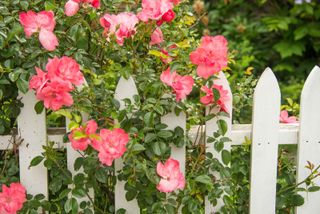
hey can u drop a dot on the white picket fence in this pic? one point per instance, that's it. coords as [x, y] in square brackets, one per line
[266, 134]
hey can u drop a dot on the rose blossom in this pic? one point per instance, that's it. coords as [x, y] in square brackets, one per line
[88, 134]
[72, 6]
[209, 97]
[12, 198]
[171, 176]
[156, 37]
[159, 10]
[121, 25]
[211, 56]
[112, 145]
[42, 22]
[182, 85]
[284, 117]
[65, 68]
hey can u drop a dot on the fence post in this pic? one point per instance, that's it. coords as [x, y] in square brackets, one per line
[264, 149]
[33, 130]
[309, 138]
[125, 89]
[211, 127]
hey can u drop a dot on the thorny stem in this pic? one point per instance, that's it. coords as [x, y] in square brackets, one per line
[304, 181]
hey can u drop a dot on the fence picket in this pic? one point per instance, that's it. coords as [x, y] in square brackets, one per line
[211, 127]
[309, 138]
[125, 89]
[264, 149]
[32, 127]
[173, 121]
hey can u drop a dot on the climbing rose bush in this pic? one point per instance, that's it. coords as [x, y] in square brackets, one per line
[154, 43]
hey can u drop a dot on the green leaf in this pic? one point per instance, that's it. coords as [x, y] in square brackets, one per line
[64, 112]
[150, 137]
[288, 48]
[36, 160]
[130, 195]
[78, 192]
[165, 134]
[204, 179]
[226, 157]
[71, 205]
[121, 211]
[223, 126]
[22, 85]
[157, 54]
[138, 147]
[156, 148]
[313, 189]
[101, 175]
[39, 107]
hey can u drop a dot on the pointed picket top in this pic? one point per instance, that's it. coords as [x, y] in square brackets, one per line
[173, 121]
[126, 88]
[264, 149]
[309, 138]
[211, 127]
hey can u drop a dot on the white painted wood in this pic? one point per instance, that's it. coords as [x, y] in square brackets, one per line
[309, 140]
[125, 89]
[211, 127]
[264, 150]
[32, 127]
[173, 121]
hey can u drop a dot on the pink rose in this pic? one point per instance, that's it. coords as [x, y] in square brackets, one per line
[42, 22]
[121, 25]
[182, 85]
[209, 97]
[156, 37]
[71, 8]
[112, 145]
[171, 176]
[12, 198]
[284, 117]
[65, 68]
[87, 135]
[211, 56]
[154, 9]
[55, 94]
[38, 81]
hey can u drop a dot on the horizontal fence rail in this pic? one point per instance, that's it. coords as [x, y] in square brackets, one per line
[288, 134]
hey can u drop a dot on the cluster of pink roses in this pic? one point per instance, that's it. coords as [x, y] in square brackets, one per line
[211, 57]
[171, 176]
[72, 6]
[123, 25]
[12, 198]
[45, 23]
[111, 144]
[53, 86]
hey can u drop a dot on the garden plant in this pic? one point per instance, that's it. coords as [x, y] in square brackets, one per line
[71, 54]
